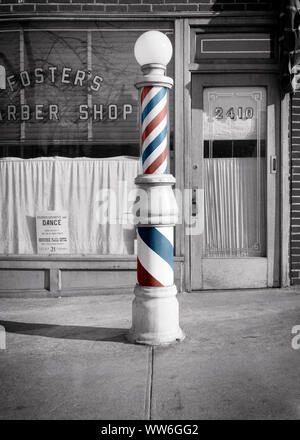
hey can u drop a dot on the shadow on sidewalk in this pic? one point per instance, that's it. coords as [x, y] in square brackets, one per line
[67, 331]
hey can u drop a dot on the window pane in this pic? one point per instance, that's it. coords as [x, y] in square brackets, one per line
[9, 98]
[53, 90]
[235, 171]
[70, 93]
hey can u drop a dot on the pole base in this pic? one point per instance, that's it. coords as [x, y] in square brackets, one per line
[155, 316]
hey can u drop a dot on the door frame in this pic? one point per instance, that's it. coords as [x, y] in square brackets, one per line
[185, 67]
[270, 266]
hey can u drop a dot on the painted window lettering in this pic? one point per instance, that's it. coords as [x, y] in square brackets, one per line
[24, 112]
[51, 112]
[53, 74]
[232, 113]
[100, 112]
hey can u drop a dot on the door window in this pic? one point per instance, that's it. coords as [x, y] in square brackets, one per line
[234, 133]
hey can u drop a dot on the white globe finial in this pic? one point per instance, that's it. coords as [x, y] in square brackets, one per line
[153, 47]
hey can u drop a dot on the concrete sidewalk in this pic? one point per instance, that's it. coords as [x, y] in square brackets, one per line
[67, 358]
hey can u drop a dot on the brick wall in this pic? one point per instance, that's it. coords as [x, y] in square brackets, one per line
[295, 190]
[130, 6]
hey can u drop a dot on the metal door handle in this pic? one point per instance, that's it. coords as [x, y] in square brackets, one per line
[194, 202]
[273, 164]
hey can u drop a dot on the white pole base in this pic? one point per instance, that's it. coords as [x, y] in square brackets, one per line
[155, 316]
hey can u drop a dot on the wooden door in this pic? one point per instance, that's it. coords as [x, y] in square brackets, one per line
[235, 124]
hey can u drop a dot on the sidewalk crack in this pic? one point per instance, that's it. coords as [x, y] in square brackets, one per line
[149, 386]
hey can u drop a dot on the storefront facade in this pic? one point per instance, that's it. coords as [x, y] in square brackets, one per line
[70, 146]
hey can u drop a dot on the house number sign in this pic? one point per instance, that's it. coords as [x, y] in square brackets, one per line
[234, 113]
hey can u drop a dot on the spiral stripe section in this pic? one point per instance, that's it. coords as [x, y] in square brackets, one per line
[155, 256]
[154, 129]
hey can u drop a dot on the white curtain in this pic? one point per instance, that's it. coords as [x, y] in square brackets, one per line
[234, 211]
[32, 185]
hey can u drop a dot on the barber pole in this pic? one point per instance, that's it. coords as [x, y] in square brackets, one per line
[154, 129]
[155, 266]
[155, 310]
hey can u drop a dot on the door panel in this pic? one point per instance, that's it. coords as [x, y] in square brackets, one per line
[234, 135]
[230, 273]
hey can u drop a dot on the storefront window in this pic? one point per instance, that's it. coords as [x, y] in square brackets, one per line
[69, 121]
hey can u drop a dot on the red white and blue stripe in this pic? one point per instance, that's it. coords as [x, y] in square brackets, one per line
[154, 129]
[155, 244]
[155, 256]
